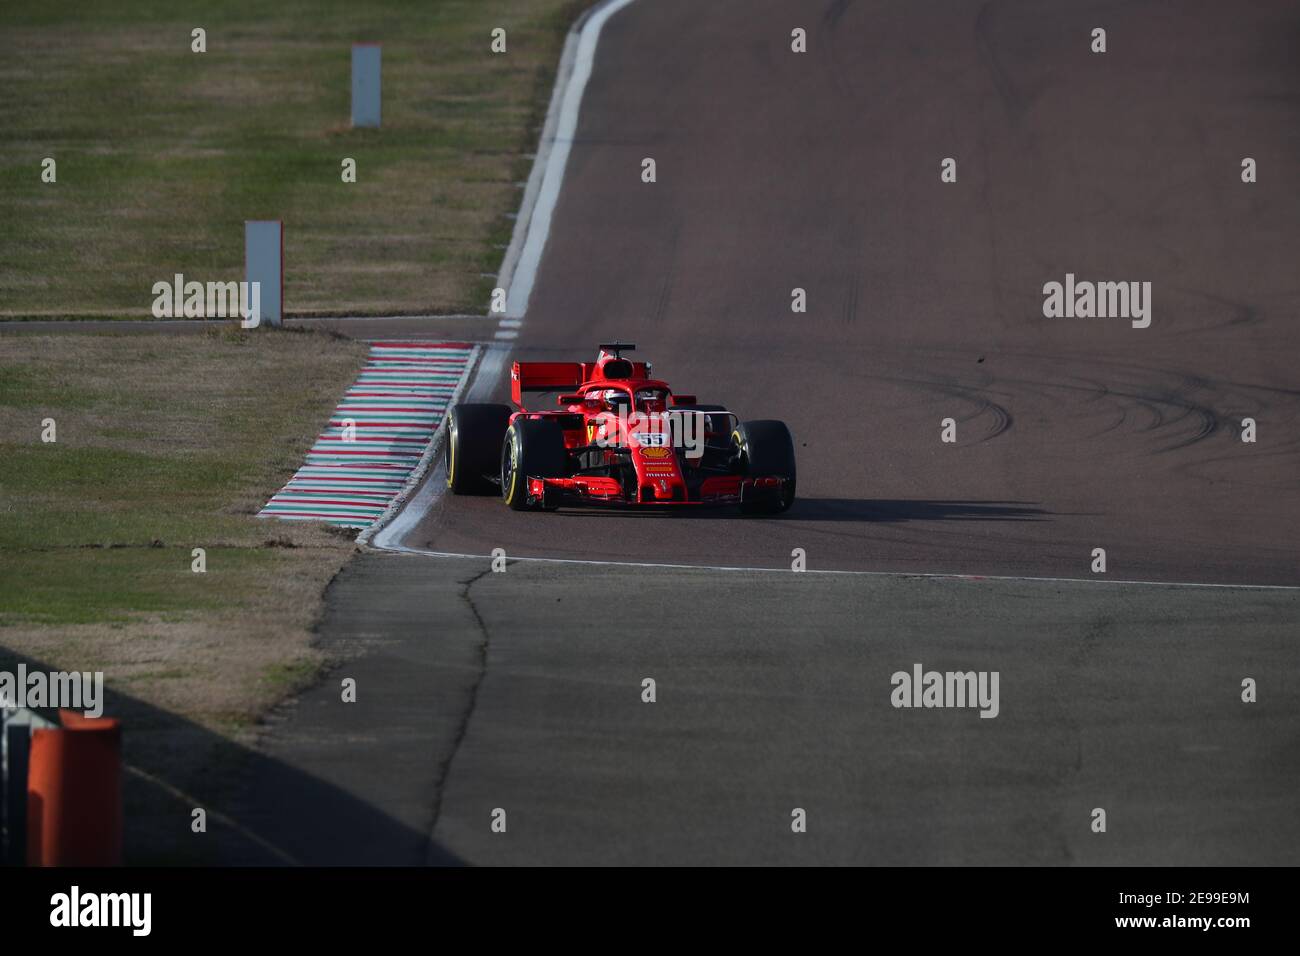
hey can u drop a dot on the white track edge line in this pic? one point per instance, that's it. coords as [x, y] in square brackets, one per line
[936, 575]
[547, 175]
[525, 249]
[426, 459]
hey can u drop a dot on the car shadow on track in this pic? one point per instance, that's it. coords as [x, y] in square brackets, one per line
[912, 509]
[841, 509]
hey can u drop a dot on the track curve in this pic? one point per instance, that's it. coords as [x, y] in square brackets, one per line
[820, 171]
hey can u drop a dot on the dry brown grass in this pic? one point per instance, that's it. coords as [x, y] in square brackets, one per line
[166, 443]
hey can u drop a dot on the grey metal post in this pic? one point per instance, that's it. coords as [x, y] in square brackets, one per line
[367, 75]
[264, 264]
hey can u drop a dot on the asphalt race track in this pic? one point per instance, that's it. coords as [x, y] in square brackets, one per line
[821, 171]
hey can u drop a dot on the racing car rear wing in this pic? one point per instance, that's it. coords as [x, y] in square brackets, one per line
[559, 376]
[543, 377]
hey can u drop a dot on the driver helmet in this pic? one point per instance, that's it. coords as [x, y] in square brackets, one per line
[616, 398]
[652, 400]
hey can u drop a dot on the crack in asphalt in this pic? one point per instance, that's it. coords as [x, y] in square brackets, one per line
[444, 770]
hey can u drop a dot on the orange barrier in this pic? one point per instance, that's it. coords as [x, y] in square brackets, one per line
[74, 793]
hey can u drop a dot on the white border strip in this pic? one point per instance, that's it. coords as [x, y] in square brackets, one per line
[386, 534]
[431, 449]
[519, 269]
[929, 575]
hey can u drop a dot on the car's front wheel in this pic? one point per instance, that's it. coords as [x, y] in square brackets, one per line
[533, 448]
[765, 449]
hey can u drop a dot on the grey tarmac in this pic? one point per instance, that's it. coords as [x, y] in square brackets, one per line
[522, 690]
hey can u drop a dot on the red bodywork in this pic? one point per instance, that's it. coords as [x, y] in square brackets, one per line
[620, 459]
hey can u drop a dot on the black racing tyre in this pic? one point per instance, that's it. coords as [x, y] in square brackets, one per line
[765, 448]
[533, 448]
[472, 447]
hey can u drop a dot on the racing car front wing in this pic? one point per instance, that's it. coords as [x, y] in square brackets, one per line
[602, 490]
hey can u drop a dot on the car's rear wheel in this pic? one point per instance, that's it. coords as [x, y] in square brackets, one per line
[765, 449]
[533, 448]
[472, 448]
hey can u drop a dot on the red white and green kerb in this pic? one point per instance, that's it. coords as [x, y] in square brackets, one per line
[397, 403]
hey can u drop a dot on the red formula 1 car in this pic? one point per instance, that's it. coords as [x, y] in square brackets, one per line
[618, 437]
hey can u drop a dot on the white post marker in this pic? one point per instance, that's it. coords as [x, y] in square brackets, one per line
[264, 264]
[367, 60]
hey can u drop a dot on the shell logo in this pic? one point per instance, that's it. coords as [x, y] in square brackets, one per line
[656, 452]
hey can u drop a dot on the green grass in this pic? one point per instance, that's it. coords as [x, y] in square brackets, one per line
[163, 153]
[163, 445]
[119, 585]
